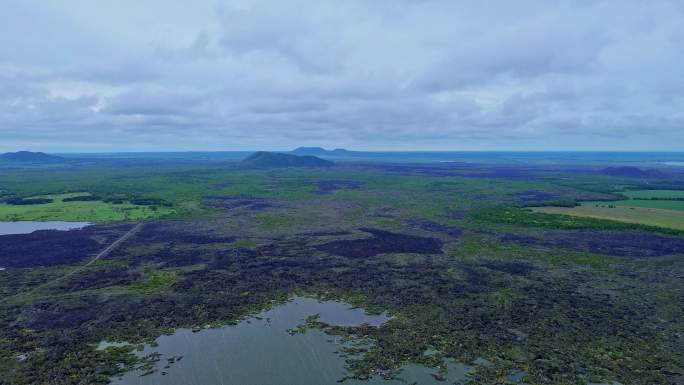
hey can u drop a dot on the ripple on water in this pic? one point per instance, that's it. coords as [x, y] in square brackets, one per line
[259, 351]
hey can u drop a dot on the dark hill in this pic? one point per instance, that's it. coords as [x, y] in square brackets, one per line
[28, 156]
[275, 159]
[309, 151]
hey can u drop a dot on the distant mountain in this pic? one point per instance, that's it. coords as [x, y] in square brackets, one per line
[633, 172]
[263, 159]
[320, 151]
[28, 156]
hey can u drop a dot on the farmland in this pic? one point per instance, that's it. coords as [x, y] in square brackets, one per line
[627, 213]
[86, 210]
[660, 208]
[675, 205]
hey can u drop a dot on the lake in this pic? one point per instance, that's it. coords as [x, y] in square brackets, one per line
[27, 227]
[260, 351]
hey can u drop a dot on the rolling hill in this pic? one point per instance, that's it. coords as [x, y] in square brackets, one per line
[29, 157]
[264, 159]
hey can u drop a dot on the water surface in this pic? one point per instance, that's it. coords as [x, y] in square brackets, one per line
[27, 227]
[260, 351]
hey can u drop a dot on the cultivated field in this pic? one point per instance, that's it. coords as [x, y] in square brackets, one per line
[650, 204]
[93, 211]
[642, 215]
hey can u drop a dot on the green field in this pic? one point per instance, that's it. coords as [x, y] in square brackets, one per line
[648, 204]
[642, 215]
[92, 211]
[649, 194]
[647, 207]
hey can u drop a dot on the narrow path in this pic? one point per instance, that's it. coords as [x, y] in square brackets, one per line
[99, 255]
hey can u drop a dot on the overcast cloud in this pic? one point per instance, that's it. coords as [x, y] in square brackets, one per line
[376, 74]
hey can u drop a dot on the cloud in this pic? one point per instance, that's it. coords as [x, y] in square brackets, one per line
[386, 74]
[152, 101]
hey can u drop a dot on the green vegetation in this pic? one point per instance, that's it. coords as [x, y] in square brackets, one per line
[642, 203]
[657, 209]
[452, 252]
[655, 219]
[273, 221]
[503, 297]
[28, 201]
[650, 194]
[155, 282]
[245, 243]
[474, 248]
[79, 210]
[566, 218]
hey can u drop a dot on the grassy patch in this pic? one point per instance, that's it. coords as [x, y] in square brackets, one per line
[274, 221]
[659, 194]
[645, 203]
[568, 218]
[600, 211]
[475, 248]
[245, 243]
[502, 297]
[155, 282]
[93, 211]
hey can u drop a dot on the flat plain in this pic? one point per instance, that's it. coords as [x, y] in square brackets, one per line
[452, 251]
[626, 212]
[95, 211]
[649, 194]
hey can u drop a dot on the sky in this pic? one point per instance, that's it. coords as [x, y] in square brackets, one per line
[159, 75]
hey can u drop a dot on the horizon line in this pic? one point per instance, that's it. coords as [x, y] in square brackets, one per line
[348, 150]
